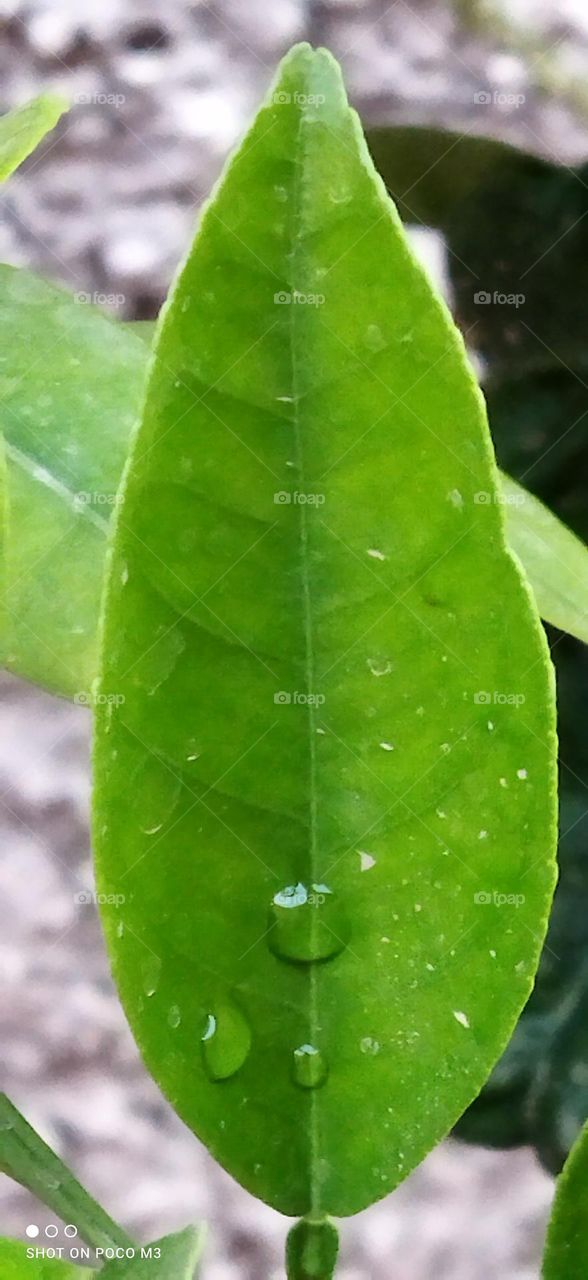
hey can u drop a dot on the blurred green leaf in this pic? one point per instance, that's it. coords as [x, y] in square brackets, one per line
[21, 130]
[555, 561]
[70, 391]
[224, 799]
[25, 1157]
[172, 1257]
[15, 1265]
[566, 1251]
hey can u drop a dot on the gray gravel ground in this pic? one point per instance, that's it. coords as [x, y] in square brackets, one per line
[107, 207]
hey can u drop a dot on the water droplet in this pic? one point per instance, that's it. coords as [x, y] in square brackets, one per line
[455, 498]
[124, 574]
[374, 338]
[309, 1069]
[307, 924]
[379, 666]
[445, 748]
[462, 1018]
[226, 1041]
[185, 306]
[174, 1017]
[386, 746]
[151, 970]
[339, 195]
[482, 835]
[522, 774]
[370, 1046]
[375, 554]
[366, 860]
[281, 194]
[120, 928]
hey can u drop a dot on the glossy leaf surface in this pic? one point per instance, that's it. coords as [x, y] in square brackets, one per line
[566, 1252]
[308, 616]
[22, 130]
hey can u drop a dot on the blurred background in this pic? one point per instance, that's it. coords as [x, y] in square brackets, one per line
[107, 207]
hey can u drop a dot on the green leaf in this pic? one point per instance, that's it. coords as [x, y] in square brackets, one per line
[26, 1158]
[305, 791]
[15, 1265]
[22, 130]
[172, 1257]
[67, 428]
[566, 1252]
[70, 391]
[555, 561]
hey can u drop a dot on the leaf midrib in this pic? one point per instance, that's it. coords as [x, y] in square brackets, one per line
[300, 158]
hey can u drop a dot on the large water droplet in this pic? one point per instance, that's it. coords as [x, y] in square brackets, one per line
[307, 924]
[226, 1041]
[310, 1068]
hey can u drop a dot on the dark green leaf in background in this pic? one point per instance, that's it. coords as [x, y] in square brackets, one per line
[22, 130]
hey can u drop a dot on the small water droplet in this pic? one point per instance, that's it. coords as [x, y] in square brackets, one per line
[120, 928]
[185, 305]
[482, 835]
[386, 746]
[375, 554]
[307, 924]
[455, 498]
[374, 338]
[310, 1068]
[151, 970]
[366, 860]
[461, 1017]
[226, 1041]
[369, 1046]
[379, 666]
[522, 774]
[174, 1017]
[124, 575]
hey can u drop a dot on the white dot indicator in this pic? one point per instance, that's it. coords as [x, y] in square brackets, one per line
[52, 1230]
[32, 1230]
[70, 1230]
